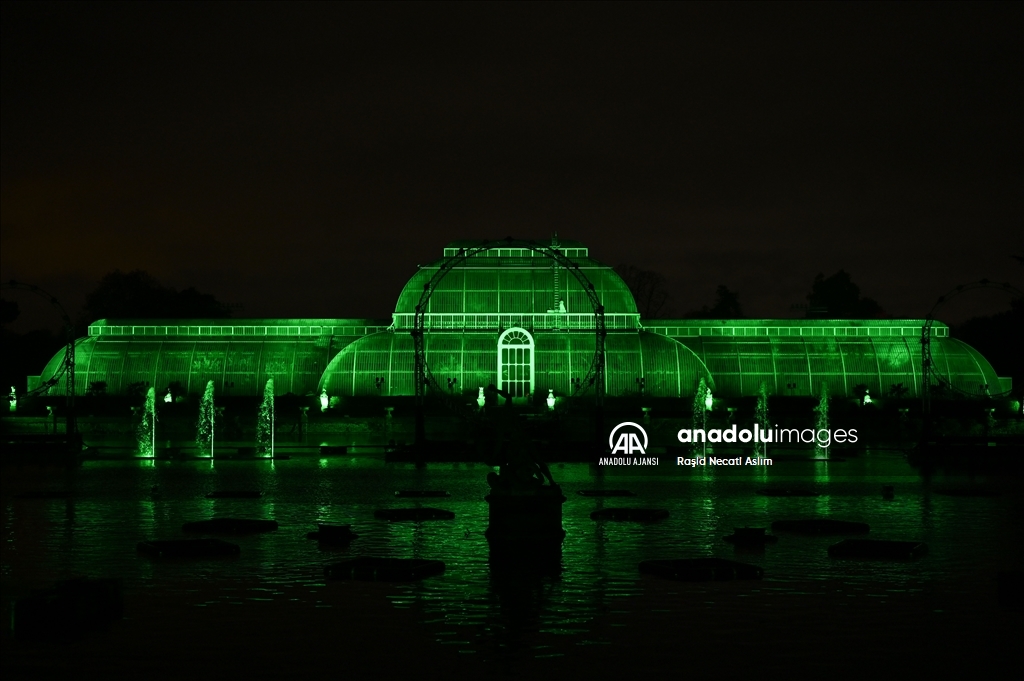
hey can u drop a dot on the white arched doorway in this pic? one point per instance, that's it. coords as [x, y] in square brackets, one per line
[515, 362]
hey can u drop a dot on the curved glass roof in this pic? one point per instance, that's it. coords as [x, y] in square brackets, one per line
[237, 367]
[679, 328]
[382, 364]
[794, 358]
[518, 281]
[511, 285]
[236, 327]
[799, 366]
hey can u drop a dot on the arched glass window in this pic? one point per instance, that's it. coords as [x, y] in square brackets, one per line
[515, 362]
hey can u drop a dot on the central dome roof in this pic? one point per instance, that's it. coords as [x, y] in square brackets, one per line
[511, 279]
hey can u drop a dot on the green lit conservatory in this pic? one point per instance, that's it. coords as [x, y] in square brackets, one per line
[238, 355]
[515, 318]
[524, 321]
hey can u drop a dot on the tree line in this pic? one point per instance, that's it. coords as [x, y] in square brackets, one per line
[833, 297]
[118, 295]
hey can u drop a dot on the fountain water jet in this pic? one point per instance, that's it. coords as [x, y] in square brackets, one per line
[822, 422]
[147, 427]
[700, 417]
[204, 428]
[761, 419]
[265, 422]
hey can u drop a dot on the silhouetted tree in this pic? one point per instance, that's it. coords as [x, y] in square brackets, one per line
[137, 295]
[24, 353]
[997, 338]
[898, 390]
[96, 389]
[727, 306]
[837, 297]
[648, 289]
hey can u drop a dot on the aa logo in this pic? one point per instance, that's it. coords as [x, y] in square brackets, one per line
[626, 439]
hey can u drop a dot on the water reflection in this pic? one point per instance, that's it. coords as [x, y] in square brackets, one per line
[523, 610]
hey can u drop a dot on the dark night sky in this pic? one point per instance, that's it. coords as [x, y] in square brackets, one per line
[301, 159]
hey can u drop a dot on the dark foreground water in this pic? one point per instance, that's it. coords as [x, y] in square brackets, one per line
[271, 614]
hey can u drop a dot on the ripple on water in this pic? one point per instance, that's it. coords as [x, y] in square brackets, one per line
[113, 505]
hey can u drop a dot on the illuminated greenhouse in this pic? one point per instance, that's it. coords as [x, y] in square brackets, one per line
[525, 319]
